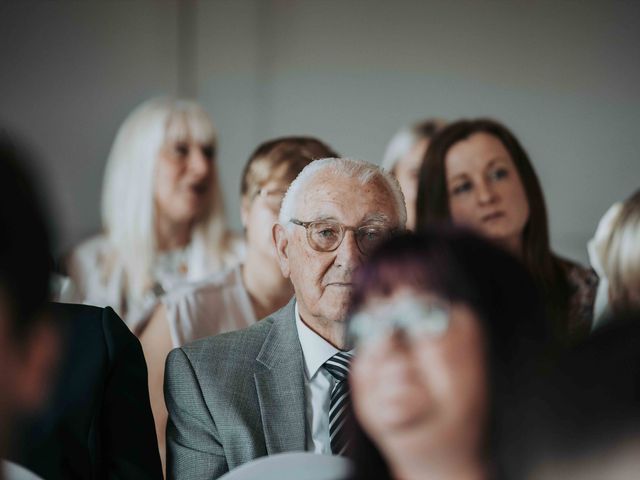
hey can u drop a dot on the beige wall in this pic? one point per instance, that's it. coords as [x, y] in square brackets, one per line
[563, 75]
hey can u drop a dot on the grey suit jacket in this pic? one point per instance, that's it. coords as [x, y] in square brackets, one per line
[235, 397]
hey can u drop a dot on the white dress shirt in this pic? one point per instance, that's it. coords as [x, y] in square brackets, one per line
[318, 384]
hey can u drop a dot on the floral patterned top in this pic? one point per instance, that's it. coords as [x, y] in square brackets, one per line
[583, 283]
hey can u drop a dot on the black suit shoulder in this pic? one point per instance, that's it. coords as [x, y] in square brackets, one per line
[99, 422]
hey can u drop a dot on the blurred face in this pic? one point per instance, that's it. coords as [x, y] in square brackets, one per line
[260, 214]
[406, 171]
[485, 190]
[421, 384]
[323, 280]
[184, 175]
[26, 369]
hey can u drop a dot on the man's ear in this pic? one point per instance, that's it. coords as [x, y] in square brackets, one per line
[281, 241]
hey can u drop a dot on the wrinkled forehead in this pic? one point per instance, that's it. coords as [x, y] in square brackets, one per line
[346, 200]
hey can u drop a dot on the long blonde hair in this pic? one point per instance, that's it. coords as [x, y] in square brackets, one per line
[621, 256]
[128, 207]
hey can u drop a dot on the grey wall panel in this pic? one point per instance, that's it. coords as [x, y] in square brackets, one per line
[562, 74]
[72, 71]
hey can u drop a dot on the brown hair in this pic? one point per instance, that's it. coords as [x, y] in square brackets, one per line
[433, 207]
[284, 157]
[426, 129]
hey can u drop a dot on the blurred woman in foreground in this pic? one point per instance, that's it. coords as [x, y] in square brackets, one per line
[477, 174]
[442, 321]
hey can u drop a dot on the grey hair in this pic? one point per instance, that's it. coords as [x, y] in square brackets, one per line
[363, 172]
[404, 140]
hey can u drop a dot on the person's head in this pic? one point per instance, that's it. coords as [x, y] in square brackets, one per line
[266, 177]
[477, 174]
[403, 158]
[27, 339]
[333, 214]
[621, 256]
[433, 320]
[161, 171]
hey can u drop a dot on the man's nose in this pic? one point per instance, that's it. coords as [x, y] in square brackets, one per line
[348, 254]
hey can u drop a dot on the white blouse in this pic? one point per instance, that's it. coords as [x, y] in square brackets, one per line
[103, 284]
[217, 304]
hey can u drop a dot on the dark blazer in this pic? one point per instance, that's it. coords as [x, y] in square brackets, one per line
[98, 424]
[235, 397]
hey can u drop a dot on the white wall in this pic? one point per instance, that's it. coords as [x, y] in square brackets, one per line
[563, 75]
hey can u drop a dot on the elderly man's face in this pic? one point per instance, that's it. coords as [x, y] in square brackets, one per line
[323, 280]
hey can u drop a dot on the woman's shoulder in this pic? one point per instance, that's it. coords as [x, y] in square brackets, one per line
[207, 289]
[218, 303]
[583, 284]
[579, 276]
[96, 271]
[92, 251]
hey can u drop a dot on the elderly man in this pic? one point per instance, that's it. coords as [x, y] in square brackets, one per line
[279, 385]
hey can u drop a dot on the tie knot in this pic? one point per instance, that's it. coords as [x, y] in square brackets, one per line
[338, 365]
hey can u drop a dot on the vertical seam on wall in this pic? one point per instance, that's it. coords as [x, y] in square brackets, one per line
[187, 48]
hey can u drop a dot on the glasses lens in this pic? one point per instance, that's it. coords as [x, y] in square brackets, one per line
[369, 237]
[420, 318]
[325, 236]
[415, 318]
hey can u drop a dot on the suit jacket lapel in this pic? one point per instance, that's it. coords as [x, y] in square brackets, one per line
[279, 381]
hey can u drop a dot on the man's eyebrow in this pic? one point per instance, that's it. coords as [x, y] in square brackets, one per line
[322, 218]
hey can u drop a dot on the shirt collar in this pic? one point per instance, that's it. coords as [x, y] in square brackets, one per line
[315, 349]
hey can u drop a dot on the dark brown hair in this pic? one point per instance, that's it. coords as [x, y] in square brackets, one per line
[286, 156]
[433, 207]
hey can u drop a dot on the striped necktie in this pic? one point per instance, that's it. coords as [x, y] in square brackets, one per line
[340, 403]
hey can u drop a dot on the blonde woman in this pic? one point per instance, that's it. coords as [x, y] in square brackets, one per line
[162, 212]
[615, 255]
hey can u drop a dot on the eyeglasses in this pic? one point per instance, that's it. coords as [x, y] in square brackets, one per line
[327, 235]
[272, 198]
[413, 317]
